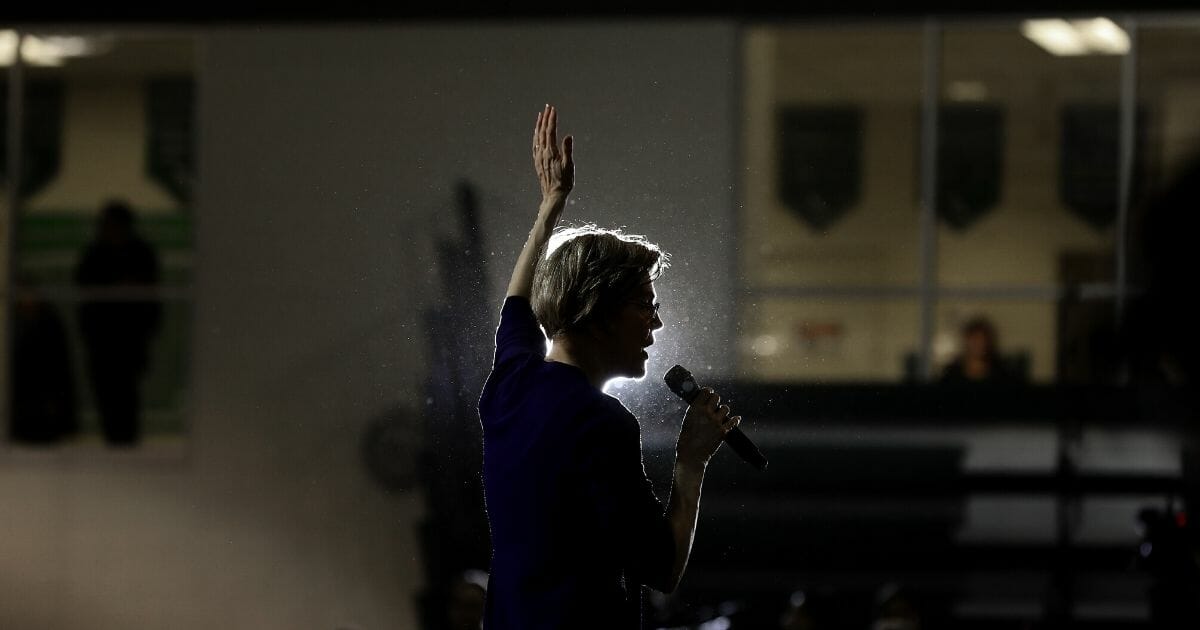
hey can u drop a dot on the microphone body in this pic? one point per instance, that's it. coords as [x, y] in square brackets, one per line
[681, 382]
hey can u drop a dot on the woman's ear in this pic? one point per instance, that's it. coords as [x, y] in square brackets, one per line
[595, 331]
[599, 329]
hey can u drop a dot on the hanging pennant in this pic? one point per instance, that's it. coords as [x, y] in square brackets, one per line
[41, 134]
[170, 154]
[820, 161]
[970, 157]
[1089, 166]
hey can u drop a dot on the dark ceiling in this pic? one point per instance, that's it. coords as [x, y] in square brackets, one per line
[20, 12]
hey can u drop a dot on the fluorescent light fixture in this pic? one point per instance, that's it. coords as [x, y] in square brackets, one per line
[49, 50]
[37, 52]
[1058, 37]
[1096, 36]
[1104, 36]
[8, 47]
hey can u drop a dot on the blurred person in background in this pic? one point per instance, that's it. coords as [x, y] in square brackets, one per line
[980, 360]
[42, 377]
[1161, 334]
[117, 332]
[895, 609]
[1161, 341]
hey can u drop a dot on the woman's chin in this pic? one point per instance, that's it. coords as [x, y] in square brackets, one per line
[635, 368]
[633, 372]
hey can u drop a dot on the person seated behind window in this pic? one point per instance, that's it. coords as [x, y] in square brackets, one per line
[980, 361]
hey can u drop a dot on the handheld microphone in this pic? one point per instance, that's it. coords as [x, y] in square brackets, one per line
[681, 382]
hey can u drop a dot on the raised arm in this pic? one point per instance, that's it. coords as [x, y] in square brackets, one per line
[556, 175]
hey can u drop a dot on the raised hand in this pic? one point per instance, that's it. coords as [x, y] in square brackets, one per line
[554, 165]
[556, 175]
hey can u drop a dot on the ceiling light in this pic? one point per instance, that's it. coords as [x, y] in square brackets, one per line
[49, 50]
[1097, 36]
[1104, 36]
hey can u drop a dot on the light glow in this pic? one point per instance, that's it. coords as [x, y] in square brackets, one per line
[1104, 36]
[1096, 36]
[766, 345]
[49, 50]
[967, 91]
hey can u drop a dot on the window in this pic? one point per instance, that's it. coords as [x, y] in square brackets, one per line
[98, 212]
[1035, 212]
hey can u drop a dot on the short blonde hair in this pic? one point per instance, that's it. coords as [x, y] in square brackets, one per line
[587, 272]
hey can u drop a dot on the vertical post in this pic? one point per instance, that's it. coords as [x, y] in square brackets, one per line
[756, 172]
[8, 223]
[931, 93]
[1125, 145]
[739, 287]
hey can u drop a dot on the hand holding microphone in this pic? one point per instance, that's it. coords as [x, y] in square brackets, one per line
[707, 422]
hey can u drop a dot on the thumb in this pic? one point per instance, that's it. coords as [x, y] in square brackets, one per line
[568, 148]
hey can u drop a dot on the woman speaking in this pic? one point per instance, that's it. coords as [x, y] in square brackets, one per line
[576, 528]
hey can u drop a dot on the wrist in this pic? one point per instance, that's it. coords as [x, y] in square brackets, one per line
[690, 465]
[554, 200]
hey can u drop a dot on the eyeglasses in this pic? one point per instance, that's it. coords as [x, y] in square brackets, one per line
[648, 306]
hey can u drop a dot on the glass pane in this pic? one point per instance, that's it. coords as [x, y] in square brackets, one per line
[103, 248]
[829, 139]
[1028, 158]
[793, 339]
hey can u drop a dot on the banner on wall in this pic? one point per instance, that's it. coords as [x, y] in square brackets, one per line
[170, 151]
[41, 135]
[1089, 164]
[820, 161]
[969, 162]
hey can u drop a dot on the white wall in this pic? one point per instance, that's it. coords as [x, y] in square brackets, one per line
[328, 160]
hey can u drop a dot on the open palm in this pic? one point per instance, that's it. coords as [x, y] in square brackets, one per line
[554, 165]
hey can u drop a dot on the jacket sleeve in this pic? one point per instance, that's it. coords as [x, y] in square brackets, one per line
[518, 332]
[622, 497]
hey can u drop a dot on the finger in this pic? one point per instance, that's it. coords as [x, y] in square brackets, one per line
[541, 126]
[537, 130]
[545, 124]
[723, 412]
[569, 149]
[732, 422]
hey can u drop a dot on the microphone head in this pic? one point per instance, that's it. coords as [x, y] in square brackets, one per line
[681, 382]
